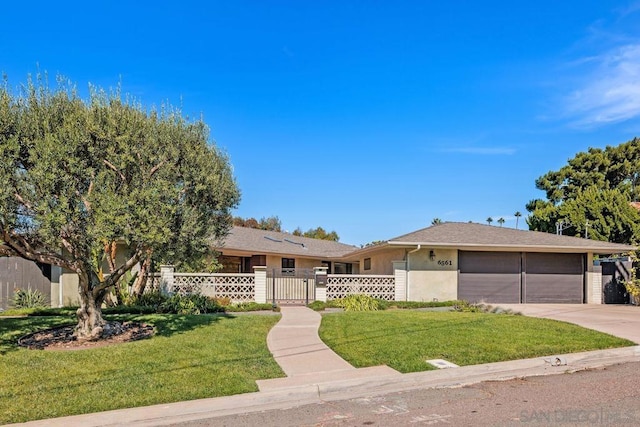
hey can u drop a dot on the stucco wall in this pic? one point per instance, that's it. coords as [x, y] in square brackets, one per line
[432, 279]
[382, 263]
[276, 262]
[56, 273]
[69, 282]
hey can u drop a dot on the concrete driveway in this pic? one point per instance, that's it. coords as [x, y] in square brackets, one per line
[619, 320]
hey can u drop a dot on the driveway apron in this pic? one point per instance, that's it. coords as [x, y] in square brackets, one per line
[619, 320]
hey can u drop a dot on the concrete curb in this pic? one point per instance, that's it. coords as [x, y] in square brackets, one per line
[289, 397]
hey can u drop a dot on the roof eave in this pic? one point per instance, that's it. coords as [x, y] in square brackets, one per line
[533, 248]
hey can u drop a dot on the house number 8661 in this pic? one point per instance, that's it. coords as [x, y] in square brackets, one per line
[445, 262]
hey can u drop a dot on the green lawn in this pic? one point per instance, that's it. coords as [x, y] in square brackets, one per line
[403, 340]
[190, 357]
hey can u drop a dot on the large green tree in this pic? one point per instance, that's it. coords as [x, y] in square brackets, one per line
[80, 174]
[591, 195]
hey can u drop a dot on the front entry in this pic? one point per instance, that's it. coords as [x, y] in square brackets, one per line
[290, 286]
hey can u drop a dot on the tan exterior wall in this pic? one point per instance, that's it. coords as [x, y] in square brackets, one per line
[56, 275]
[382, 263]
[593, 283]
[432, 280]
[432, 286]
[69, 282]
[308, 263]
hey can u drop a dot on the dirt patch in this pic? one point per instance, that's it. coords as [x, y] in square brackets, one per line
[61, 338]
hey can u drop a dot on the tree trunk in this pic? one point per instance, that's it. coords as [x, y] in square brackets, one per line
[141, 281]
[90, 322]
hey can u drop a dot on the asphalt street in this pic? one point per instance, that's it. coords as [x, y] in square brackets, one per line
[607, 396]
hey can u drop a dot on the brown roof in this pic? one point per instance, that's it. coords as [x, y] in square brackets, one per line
[636, 205]
[272, 242]
[460, 235]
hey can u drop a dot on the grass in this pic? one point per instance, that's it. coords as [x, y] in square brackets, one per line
[190, 357]
[404, 340]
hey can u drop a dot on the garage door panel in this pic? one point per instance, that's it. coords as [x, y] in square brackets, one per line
[554, 278]
[490, 288]
[541, 263]
[489, 276]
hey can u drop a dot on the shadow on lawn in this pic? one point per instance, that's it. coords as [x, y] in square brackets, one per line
[11, 329]
[166, 325]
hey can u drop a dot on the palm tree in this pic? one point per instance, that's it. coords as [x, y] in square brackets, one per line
[500, 221]
[489, 220]
[517, 215]
[436, 221]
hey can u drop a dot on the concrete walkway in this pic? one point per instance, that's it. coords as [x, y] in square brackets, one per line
[619, 320]
[304, 358]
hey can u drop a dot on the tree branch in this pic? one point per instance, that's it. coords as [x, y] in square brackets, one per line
[156, 167]
[85, 200]
[16, 245]
[115, 169]
[119, 272]
[22, 201]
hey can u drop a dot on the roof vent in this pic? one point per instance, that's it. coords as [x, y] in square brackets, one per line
[295, 243]
[273, 239]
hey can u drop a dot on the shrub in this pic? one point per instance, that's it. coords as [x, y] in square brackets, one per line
[189, 304]
[29, 298]
[467, 307]
[359, 302]
[317, 305]
[130, 309]
[250, 306]
[633, 289]
[419, 304]
[149, 299]
[222, 301]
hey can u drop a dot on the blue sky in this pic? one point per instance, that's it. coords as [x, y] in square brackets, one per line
[369, 118]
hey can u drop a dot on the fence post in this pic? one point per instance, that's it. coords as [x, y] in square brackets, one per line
[261, 284]
[400, 275]
[320, 274]
[166, 279]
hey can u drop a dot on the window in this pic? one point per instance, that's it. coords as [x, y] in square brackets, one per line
[367, 263]
[288, 266]
[288, 263]
[342, 268]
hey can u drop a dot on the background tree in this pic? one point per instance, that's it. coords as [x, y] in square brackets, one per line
[489, 220]
[436, 221]
[597, 187]
[517, 215]
[79, 175]
[501, 221]
[271, 223]
[317, 233]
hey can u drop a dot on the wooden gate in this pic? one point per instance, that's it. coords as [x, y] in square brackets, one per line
[290, 286]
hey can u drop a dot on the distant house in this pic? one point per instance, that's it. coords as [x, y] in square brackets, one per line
[245, 248]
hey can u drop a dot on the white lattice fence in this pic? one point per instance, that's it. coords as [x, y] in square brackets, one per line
[341, 285]
[236, 287]
[153, 283]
